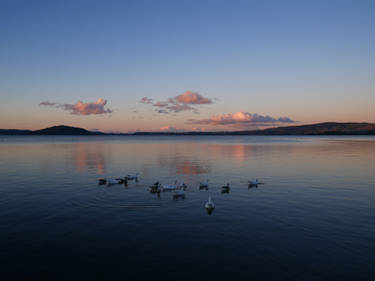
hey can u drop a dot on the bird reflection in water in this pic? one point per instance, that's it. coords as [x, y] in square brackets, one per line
[225, 191]
[178, 196]
[225, 188]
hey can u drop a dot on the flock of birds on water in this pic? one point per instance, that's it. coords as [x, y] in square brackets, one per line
[177, 189]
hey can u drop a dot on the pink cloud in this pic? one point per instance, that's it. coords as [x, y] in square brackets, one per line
[82, 108]
[195, 129]
[184, 102]
[146, 100]
[179, 107]
[47, 103]
[240, 119]
[192, 98]
[170, 129]
[161, 104]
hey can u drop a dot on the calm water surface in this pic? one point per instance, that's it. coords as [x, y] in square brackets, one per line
[313, 219]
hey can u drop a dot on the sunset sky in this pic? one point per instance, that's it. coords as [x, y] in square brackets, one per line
[120, 66]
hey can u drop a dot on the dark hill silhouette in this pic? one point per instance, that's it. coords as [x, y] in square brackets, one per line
[14, 132]
[328, 128]
[64, 130]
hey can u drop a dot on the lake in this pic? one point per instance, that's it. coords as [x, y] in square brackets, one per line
[312, 219]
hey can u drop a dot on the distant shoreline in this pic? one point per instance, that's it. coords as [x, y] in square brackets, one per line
[320, 129]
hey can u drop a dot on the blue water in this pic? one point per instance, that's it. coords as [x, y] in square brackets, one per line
[313, 219]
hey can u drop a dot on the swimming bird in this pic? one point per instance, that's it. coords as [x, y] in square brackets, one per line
[226, 187]
[183, 186]
[179, 193]
[210, 206]
[203, 185]
[112, 182]
[155, 188]
[254, 183]
[167, 187]
[156, 184]
[120, 180]
[225, 191]
[102, 181]
[133, 177]
[115, 181]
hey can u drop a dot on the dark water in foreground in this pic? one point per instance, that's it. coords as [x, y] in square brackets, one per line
[314, 219]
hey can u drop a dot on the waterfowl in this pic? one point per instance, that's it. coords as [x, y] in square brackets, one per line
[167, 187]
[209, 204]
[225, 190]
[155, 185]
[155, 188]
[254, 182]
[226, 187]
[120, 180]
[102, 181]
[112, 182]
[133, 177]
[203, 185]
[179, 193]
[183, 186]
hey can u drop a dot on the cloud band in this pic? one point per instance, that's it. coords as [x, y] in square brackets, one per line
[240, 119]
[81, 108]
[184, 102]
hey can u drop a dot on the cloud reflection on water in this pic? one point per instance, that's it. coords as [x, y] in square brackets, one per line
[184, 166]
[87, 157]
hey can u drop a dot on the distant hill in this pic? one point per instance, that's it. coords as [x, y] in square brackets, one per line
[55, 130]
[64, 130]
[14, 132]
[328, 128]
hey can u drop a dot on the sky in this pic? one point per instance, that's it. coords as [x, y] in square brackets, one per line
[123, 66]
